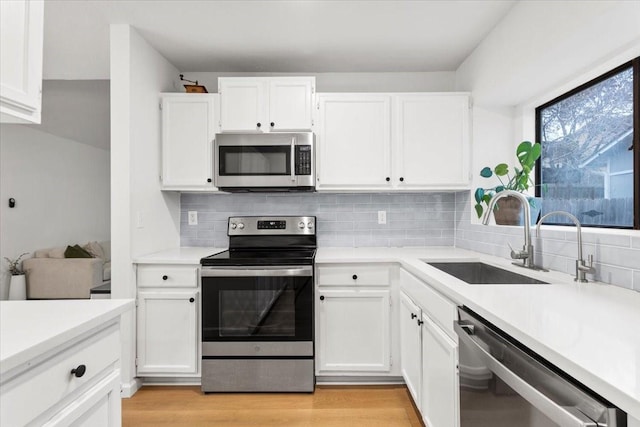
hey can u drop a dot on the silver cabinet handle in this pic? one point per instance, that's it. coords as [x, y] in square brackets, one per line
[306, 271]
[293, 158]
[564, 416]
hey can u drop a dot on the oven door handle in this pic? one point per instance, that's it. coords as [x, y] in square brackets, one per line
[562, 415]
[305, 271]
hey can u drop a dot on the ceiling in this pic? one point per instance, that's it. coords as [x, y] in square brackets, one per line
[272, 36]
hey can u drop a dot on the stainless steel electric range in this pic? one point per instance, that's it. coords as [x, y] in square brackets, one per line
[257, 307]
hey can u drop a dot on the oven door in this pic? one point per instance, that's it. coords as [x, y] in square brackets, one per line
[257, 304]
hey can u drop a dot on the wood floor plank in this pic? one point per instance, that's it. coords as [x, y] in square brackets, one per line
[331, 406]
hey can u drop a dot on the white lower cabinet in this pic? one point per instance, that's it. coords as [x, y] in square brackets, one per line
[354, 330]
[429, 351]
[410, 346]
[439, 401]
[168, 328]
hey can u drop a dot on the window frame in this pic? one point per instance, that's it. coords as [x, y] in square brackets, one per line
[635, 65]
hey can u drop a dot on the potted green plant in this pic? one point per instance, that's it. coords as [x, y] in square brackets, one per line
[17, 286]
[508, 208]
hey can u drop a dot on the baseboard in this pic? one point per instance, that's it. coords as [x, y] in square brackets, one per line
[127, 390]
[187, 381]
[356, 380]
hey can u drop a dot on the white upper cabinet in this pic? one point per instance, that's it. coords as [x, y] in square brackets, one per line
[431, 135]
[189, 123]
[393, 141]
[354, 141]
[265, 104]
[21, 34]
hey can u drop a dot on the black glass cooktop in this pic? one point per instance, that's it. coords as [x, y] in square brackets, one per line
[239, 257]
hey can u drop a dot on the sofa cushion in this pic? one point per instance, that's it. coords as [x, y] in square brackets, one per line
[106, 247]
[106, 271]
[76, 251]
[95, 249]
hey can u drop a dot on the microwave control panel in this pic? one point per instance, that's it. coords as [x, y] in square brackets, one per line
[303, 159]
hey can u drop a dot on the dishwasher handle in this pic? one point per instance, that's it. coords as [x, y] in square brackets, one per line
[562, 415]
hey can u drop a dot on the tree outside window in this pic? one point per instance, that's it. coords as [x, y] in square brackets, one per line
[587, 161]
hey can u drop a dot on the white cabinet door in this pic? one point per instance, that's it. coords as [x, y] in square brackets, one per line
[440, 396]
[354, 141]
[188, 130]
[290, 103]
[411, 347]
[243, 104]
[354, 330]
[431, 140]
[167, 332]
[21, 38]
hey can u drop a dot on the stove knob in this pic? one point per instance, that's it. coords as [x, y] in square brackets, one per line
[301, 225]
[240, 226]
[310, 224]
[233, 226]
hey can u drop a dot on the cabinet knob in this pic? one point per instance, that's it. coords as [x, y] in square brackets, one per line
[79, 371]
[413, 316]
[420, 322]
[354, 277]
[321, 297]
[192, 299]
[259, 124]
[401, 179]
[387, 179]
[272, 124]
[208, 179]
[165, 277]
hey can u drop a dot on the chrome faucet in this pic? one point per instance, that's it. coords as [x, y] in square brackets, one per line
[581, 266]
[526, 254]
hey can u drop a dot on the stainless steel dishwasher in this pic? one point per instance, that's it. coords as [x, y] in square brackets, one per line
[503, 383]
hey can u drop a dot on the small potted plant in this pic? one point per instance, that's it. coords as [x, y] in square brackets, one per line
[508, 208]
[17, 286]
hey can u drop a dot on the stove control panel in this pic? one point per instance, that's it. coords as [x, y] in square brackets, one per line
[291, 225]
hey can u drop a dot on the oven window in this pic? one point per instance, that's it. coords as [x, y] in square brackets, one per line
[264, 311]
[260, 308]
[255, 160]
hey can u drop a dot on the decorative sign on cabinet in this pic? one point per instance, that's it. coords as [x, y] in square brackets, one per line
[21, 39]
[417, 141]
[266, 104]
[189, 125]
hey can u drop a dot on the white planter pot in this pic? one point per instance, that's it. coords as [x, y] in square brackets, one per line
[18, 287]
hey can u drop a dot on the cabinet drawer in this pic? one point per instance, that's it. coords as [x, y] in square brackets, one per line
[50, 382]
[439, 308]
[353, 274]
[167, 276]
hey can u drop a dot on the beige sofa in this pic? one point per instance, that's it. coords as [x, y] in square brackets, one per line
[52, 276]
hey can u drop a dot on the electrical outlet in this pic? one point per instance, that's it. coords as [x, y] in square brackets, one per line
[382, 217]
[139, 220]
[193, 217]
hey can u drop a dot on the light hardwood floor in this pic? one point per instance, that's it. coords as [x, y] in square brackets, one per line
[352, 406]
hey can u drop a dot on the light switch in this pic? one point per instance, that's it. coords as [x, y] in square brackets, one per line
[382, 217]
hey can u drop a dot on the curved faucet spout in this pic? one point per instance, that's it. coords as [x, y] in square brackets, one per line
[581, 267]
[527, 251]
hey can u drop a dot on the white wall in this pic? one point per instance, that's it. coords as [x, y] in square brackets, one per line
[350, 82]
[144, 219]
[61, 188]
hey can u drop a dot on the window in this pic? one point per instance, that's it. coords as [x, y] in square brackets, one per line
[590, 162]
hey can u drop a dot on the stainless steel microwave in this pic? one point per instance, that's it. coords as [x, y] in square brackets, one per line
[283, 161]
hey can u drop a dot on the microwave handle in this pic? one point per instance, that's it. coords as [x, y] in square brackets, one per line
[293, 158]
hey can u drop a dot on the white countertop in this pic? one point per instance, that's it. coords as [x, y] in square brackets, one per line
[183, 255]
[590, 330]
[31, 328]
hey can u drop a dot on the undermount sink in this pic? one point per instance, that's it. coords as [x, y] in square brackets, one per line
[479, 273]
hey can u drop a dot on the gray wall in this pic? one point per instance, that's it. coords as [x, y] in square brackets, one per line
[616, 255]
[349, 220]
